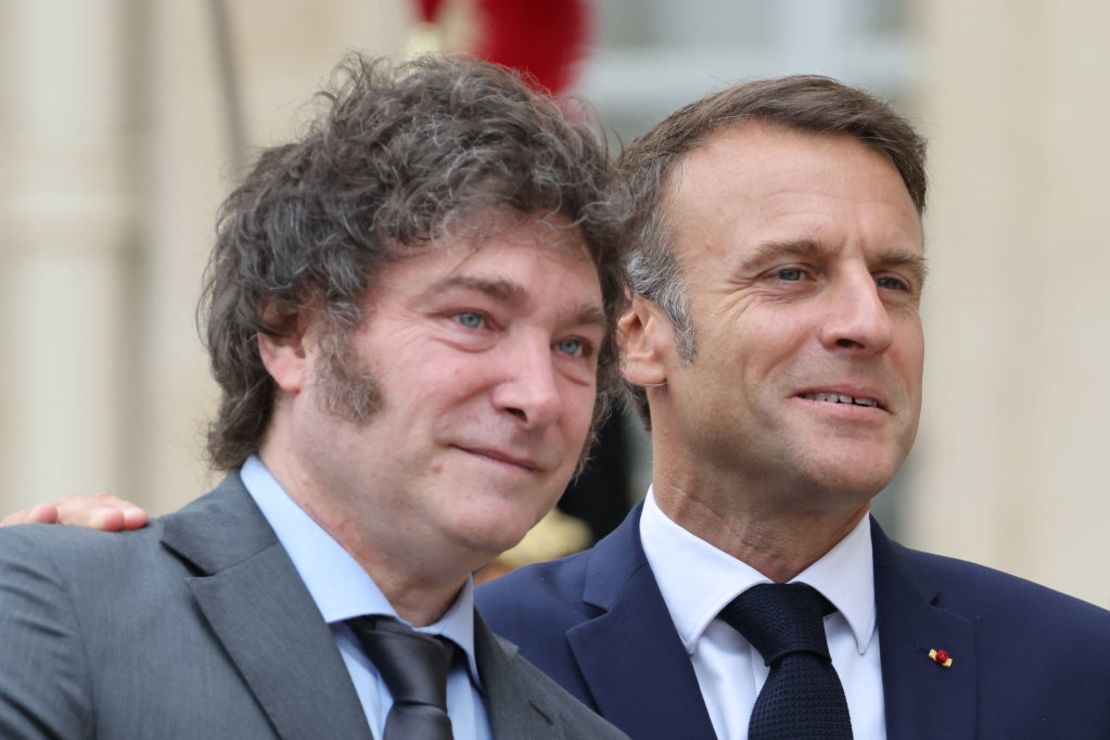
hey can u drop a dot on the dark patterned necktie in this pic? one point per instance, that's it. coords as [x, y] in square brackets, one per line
[414, 666]
[802, 697]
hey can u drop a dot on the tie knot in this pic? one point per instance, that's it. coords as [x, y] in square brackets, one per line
[781, 618]
[413, 665]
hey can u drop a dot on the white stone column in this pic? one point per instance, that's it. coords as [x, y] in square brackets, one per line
[113, 159]
[1011, 465]
[68, 224]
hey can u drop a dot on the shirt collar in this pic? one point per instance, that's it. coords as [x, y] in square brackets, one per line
[338, 585]
[700, 582]
[845, 575]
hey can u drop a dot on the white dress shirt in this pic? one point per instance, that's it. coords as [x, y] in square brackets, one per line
[697, 580]
[342, 590]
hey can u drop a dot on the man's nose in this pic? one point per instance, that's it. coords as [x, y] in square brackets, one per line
[856, 318]
[529, 389]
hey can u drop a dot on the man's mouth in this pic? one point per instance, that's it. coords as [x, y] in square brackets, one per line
[502, 457]
[826, 397]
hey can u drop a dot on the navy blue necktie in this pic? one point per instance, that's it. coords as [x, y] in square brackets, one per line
[414, 666]
[803, 697]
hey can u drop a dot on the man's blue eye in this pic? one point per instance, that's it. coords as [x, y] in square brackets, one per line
[792, 274]
[470, 319]
[573, 347]
[891, 283]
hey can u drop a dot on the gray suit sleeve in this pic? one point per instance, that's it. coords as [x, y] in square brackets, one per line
[44, 686]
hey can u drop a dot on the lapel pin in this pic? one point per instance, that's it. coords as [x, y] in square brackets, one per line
[941, 658]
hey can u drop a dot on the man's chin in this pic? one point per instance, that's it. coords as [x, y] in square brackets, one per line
[853, 485]
[487, 540]
[852, 466]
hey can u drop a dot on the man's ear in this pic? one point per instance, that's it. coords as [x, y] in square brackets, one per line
[646, 339]
[284, 354]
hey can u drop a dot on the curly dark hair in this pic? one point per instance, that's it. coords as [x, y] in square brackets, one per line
[400, 154]
[806, 103]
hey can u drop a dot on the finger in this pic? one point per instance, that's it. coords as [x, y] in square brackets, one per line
[40, 514]
[106, 520]
[111, 519]
[103, 512]
[134, 517]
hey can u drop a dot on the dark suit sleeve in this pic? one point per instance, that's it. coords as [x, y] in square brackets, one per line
[44, 689]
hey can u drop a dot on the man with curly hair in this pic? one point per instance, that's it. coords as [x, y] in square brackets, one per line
[409, 315]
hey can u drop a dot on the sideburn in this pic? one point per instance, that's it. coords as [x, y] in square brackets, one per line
[348, 387]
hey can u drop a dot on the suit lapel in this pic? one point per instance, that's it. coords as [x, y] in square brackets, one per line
[637, 669]
[261, 612]
[921, 697]
[515, 709]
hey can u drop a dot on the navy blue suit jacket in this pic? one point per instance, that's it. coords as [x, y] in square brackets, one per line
[1028, 662]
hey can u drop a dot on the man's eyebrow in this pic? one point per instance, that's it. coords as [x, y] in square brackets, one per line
[809, 249]
[802, 248]
[589, 314]
[509, 292]
[501, 289]
[915, 263]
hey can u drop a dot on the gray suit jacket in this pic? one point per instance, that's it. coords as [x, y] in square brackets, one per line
[199, 627]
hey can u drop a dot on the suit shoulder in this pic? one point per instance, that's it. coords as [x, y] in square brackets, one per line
[1042, 658]
[59, 571]
[74, 547]
[1001, 601]
[58, 586]
[541, 596]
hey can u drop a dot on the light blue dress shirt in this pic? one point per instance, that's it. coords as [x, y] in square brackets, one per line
[342, 590]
